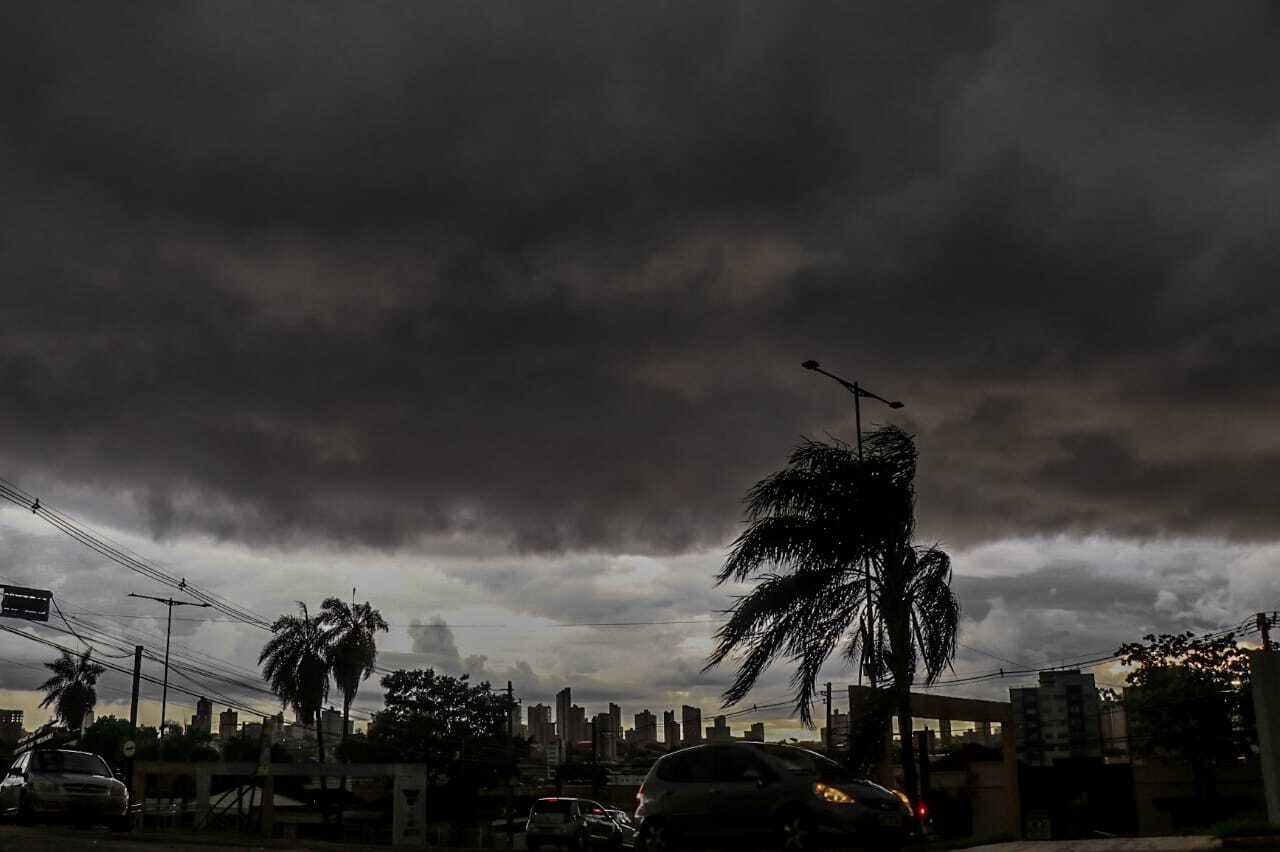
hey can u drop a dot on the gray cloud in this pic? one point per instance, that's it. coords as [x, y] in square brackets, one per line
[380, 273]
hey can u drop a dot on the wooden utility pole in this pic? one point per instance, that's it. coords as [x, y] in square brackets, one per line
[137, 676]
[1265, 626]
[511, 758]
[831, 739]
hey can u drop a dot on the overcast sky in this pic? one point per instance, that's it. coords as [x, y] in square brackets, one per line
[494, 311]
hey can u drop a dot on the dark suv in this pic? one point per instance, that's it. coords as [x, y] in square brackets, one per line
[728, 793]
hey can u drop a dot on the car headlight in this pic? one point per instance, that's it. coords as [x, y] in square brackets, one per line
[831, 794]
[39, 786]
[118, 791]
[902, 797]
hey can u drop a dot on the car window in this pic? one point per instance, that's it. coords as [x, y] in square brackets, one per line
[739, 765]
[800, 761]
[553, 806]
[688, 767]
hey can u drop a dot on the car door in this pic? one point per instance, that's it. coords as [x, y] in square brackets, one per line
[599, 825]
[11, 784]
[741, 801]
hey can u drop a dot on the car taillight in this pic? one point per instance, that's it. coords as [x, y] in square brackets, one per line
[922, 811]
[640, 794]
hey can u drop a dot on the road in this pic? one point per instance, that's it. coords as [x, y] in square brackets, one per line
[49, 839]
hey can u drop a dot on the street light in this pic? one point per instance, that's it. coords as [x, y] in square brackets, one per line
[164, 693]
[858, 393]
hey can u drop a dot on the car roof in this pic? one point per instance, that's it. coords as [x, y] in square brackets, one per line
[63, 751]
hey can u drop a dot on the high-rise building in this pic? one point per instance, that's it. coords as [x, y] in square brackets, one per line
[1059, 719]
[605, 736]
[691, 724]
[202, 721]
[541, 729]
[756, 734]
[10, 726]
[646, 727]
[577, 725]
[615, 716]
[670, 729]
[719, 731]
[228, 724]
[564, 700]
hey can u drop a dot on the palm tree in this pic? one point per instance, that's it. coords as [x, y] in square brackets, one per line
[71, 689]
[295, 663]
[353, 647]
[829, 544]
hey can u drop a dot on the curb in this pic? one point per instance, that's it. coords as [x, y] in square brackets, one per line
[1250, 842]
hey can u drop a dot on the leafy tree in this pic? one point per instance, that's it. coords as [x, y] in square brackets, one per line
[353, 648]
[1189, 698]
[829, 543]
[457, 728]
[72, 688]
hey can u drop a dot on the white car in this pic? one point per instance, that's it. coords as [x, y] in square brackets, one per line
[64, 785]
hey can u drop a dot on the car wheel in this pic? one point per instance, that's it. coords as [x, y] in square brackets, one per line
[25, 815]
[655, 836]
[797, 833]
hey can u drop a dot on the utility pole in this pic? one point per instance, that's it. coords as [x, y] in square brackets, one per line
[511, 758]
[137, 676]
[164, 690]
[1265, 626]
[595, 761]
[831, 739]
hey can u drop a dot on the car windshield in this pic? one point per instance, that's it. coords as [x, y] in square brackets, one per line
[799, 761]
[70, 762]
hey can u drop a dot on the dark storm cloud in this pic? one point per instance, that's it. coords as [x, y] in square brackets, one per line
[544, 273]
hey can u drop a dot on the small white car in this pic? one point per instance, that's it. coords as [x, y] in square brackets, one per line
[65, 786]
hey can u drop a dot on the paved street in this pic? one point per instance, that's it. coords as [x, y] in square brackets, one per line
[48, 839]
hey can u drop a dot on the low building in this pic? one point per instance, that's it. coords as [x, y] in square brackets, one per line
[719, 732]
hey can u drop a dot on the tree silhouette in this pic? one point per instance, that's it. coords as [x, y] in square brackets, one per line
[829, 544]
[71, 689]
[353, 647]
[295, 663]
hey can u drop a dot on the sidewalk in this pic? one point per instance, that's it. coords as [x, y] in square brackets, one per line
[1108, 844]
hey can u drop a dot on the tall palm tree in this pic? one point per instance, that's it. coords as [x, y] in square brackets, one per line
[829, 543]
[71, 689]
[353, 647]
[295, 663]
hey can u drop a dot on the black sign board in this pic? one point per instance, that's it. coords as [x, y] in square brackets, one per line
[31, 604]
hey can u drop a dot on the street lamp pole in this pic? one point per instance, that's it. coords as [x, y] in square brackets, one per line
[164, 693]
[858, 393]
